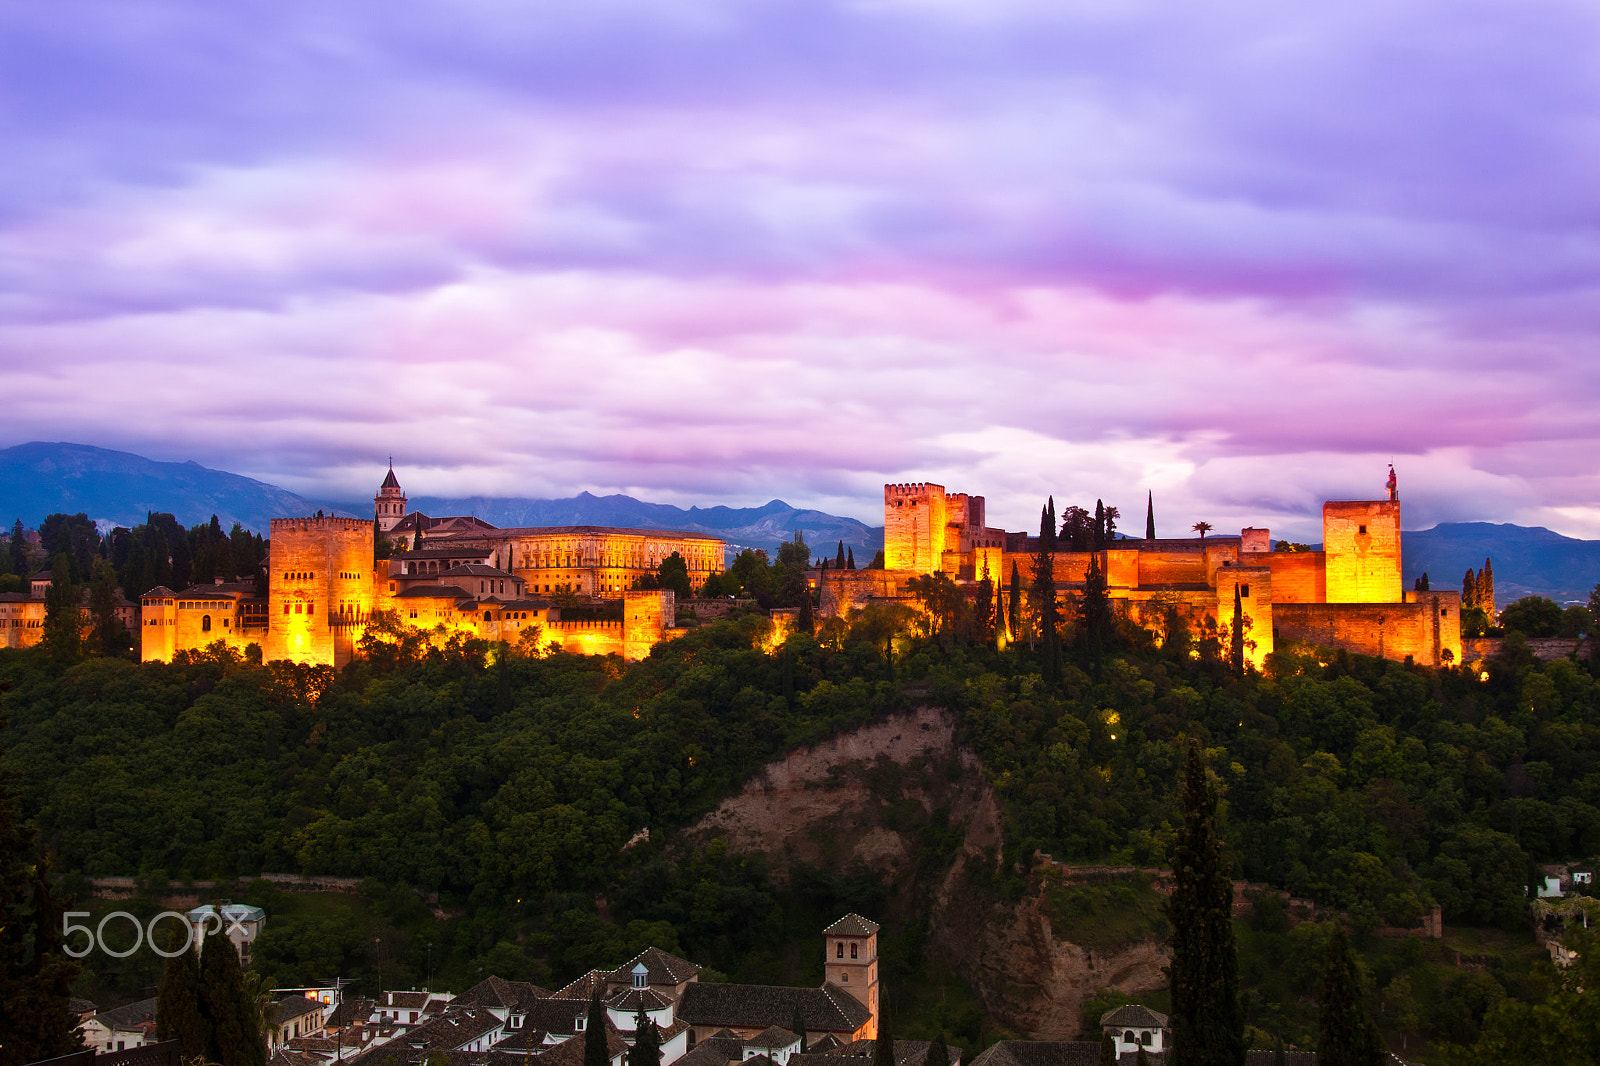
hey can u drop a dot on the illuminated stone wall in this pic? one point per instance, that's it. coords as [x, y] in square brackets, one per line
[1298, 577]
[914, 521]
[318, 567]
[1424, 629]
[1361, 543]
[1255, 601]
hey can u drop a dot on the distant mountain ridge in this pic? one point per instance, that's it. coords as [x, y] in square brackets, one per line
[41, 478]
[1527, 560]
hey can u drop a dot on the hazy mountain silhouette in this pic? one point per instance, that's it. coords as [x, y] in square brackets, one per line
[1527, 560]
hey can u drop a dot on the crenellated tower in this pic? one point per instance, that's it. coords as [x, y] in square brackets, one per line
[914, 520]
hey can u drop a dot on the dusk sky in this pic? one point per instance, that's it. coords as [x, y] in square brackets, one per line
[1242, 254]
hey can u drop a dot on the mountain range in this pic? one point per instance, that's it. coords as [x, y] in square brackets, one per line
[119, 488]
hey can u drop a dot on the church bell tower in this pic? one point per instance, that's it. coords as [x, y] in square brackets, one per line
[850, 947]
[389, 505]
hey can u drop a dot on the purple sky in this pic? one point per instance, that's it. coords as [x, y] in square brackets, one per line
[1244, 254]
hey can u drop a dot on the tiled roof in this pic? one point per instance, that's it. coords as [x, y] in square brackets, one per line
[476, 570]
[80, 1006]
[713, 1051]
[663, 534]
[458, 552]
[1133, 1016]
[160, 592]
[293, 1007]
[826, 1043]
[129, 1015]
[389, 481]
[285, 1057]
[356, 1009]
[828, 1009]
[1041, 1053]
[570, 1052]
[432, 592]
[584, 987]
[629, 999]
[773, 1037]
[852, 924]
[557, 1014]
[661, 968]
[497, 992]
[406, 1000]
[906, 1053]
[450, 1030]
[524, 1039]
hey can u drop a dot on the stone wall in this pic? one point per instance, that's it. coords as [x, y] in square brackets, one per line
[1390, 630]
[914, 520]
[318, 567]
[1361, 542]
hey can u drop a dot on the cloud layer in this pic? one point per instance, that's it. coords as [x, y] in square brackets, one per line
[1242, 255]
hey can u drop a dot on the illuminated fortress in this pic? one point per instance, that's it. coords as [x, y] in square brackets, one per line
[1349, 595]
[324, 589]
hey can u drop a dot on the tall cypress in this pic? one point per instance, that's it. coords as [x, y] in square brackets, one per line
[1014, 604]
[1345, 1033]
[1207, 1020]
[178, 1015]
[595, 1052]
[839, 558]
[1094, 610]
[1150, 516]
[235, 1023]
[1486, 588]
[1099, 525]
[1236, 634]
[883, 1044]
[798, 1025]
[646, 1049]
[63, 627]
[1108, 1050]
[850, 558]
[1044, 595]
[938, 1052]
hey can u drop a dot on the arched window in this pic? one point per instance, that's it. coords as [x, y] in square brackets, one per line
[852, 950]
[839, 950]
[1129, 1037]
[205, 623]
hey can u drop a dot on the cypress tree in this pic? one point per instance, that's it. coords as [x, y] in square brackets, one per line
[63, 628]
[1141, 1059]
[807, 623]
[1207, 1021]
[839, 559]
[1094, 610]
[1469, 589]
[235, 1038]
[35, 974]
[883, 1045]
[1108, 1050]
[1014, 606]
[938, 1052]
[798, 1025]
[595, 1052]
[1278, 1056]
[1099, 525]
[1044, 593]
[850, 558]
[1150, 516]
[646, 1049]
[108, 636]
[1236, 634]
[17, 550]
[1345, 1033]
[178, 1015]
[1486, 588]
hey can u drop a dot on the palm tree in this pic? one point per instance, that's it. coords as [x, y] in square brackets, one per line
[1202, 528]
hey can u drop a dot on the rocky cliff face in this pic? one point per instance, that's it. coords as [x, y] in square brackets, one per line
[862, 797]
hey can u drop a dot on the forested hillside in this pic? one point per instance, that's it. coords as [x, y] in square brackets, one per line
[511, 787]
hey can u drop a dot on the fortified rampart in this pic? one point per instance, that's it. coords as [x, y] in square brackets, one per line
[317, 567]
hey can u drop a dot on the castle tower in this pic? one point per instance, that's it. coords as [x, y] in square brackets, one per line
[1361, 545]
[319, 586]
[914, 520]
[850, 950]
[389, 505]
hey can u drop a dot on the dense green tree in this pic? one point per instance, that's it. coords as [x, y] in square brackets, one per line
[673, 573]
[17, 549]
[35, 974]
[233, 1018]
[1207, 1023]
[1077, 531]
[63, 624]
[1108, 1050]
[938, 1052]
[1532, 616]
[107, 634]
[595, 1051]
[1345, 1033]
[178, 1006]
[1095, 619]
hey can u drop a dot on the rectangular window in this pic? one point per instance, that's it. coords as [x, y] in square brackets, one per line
[1244, 592]
[1363, 531]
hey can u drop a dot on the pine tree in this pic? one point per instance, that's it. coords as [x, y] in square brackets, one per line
[178, 1015]
[1345, 1033]
[1108, 1050]
[850, 558]
[1207, 1021]
[1150, 516]
[35, 974]
[938, 1052]
[798, 1025]
[229, 1008]
[595, 1052]
[646, 1049]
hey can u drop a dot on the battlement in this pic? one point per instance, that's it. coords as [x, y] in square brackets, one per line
[912, 488]
[315, 524]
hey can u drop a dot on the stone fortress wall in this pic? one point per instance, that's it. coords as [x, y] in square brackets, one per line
[1349, 595]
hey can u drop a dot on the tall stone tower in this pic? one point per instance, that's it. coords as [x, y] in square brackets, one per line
[850, 949]
[389, 505]
[319, 582]
[914, 520]
[1361, 546]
